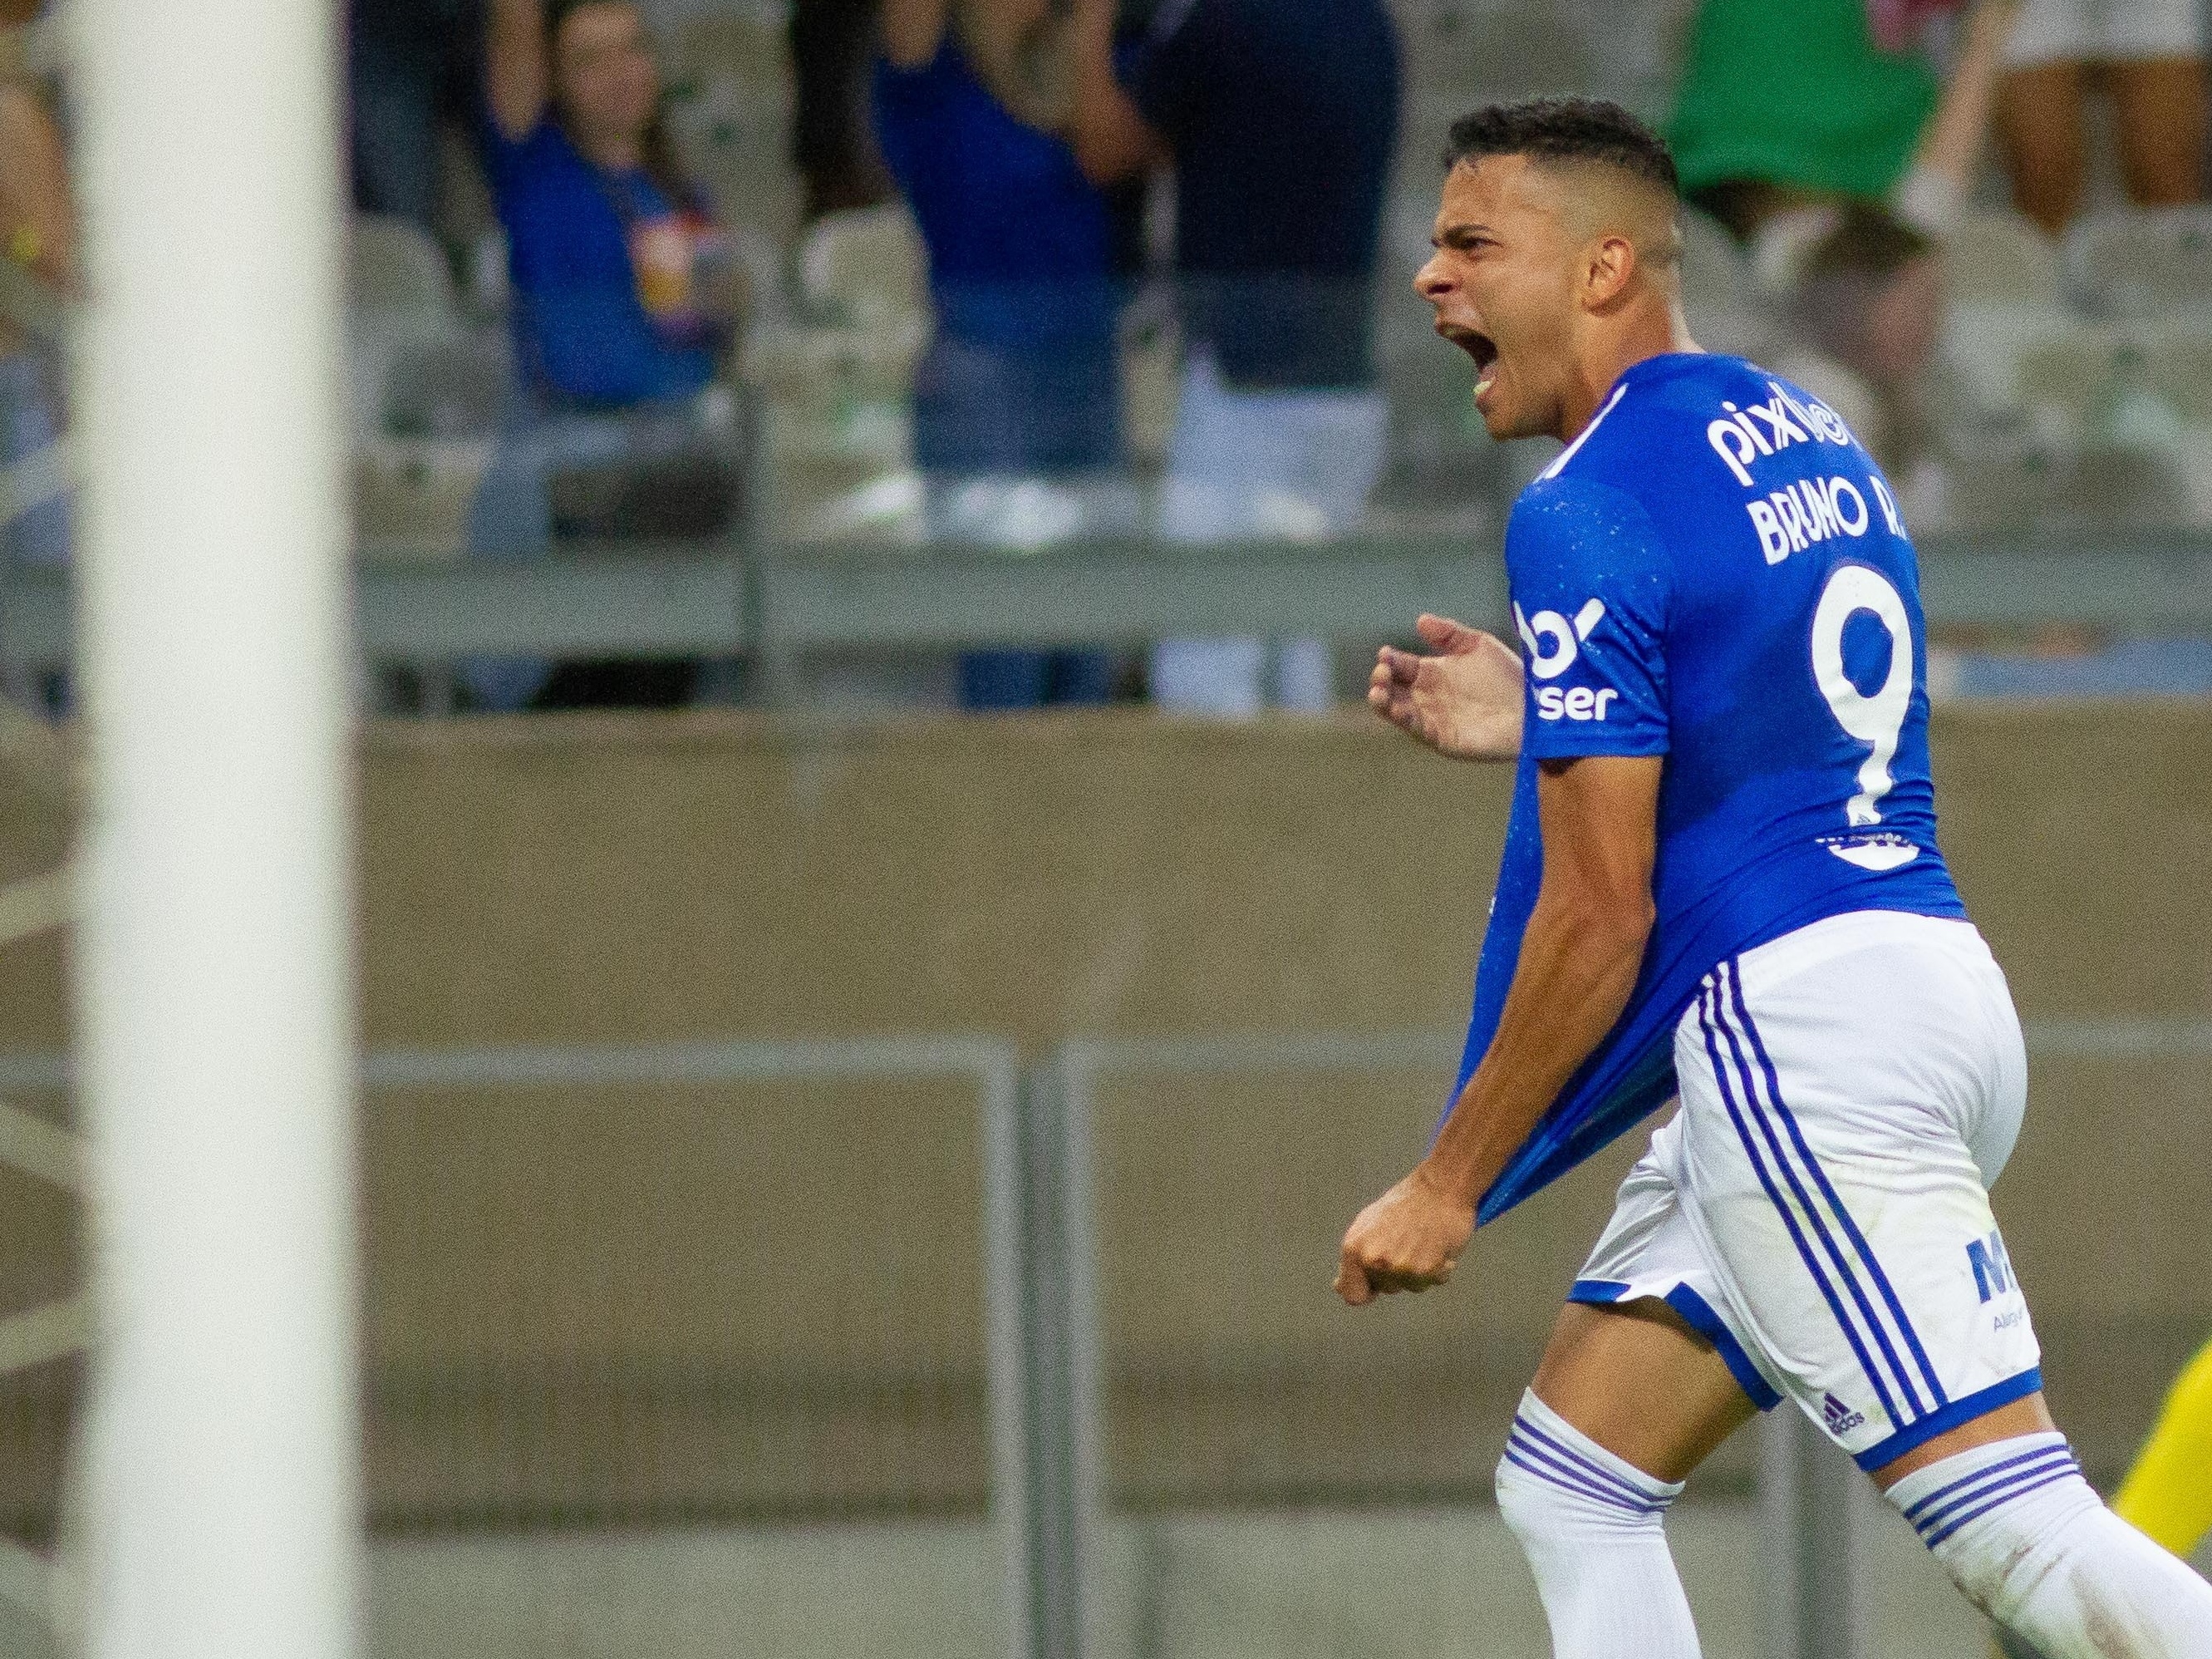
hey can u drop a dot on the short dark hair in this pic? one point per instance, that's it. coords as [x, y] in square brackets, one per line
[1589, 130]
[1868, 242]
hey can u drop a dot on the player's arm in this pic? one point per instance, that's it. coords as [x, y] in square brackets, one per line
[1465, 701]
[1933, 193]
[37, 226]
[517, 66]
[1578, 964]
[1112, 139]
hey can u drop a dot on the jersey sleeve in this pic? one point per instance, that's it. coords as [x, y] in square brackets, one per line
[1591, 587]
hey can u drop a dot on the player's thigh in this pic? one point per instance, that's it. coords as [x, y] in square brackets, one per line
[2160, 105]
[1639, 1381]
[2040, 128]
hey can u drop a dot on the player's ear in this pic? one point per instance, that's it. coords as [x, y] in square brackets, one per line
[1608, 266]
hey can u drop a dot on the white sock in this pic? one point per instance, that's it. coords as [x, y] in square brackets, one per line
[1594, 1529]
[2022, 1534]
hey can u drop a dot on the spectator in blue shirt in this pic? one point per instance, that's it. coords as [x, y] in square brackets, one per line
[624, 294]
[1021, 379]
[1280, 117]
[611, 251]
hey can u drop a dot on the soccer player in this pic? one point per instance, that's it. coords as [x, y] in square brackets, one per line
[2168, 1493]
[1720, 884]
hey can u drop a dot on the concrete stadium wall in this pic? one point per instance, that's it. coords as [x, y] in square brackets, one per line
[586, 1304]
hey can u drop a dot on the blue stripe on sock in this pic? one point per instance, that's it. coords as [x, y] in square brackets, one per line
[1588, 1464]
[1782, 1208]
[1977, 1487]
[2049, 1478]
[1940, 1524]
[1836, 1255]
[1523, 1456]
[1936, 1517]
[1573, 1475]
[1922, 1509]
[1843, 1217]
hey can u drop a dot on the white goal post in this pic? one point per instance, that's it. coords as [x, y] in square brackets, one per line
[213, 974]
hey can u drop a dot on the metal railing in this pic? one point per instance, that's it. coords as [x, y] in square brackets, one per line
[49, 1153]
[1042, 1339]
[1814, 1504]
[671, 600]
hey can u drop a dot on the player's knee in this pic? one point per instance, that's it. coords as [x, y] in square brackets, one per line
[1557, 1488]
[1526, 1505]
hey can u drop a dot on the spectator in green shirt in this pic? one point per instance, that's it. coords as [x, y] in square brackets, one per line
[1842, 166]
[1783, 106]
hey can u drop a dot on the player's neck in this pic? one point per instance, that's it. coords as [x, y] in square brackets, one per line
[1609, 353]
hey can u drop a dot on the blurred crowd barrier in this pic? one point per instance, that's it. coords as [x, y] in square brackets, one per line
[595, 1303]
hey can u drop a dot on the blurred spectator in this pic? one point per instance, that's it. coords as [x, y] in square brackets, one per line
[1782, 107]
[2148, 55]
[832, 42]
[1020, 387]
[625, 296]
[1844, 203]
[622, 279]
[1280, 117]
[410, 66]
[38, 236]
[1863, 308]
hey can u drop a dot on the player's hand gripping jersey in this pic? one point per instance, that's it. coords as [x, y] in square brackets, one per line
[1715, 571]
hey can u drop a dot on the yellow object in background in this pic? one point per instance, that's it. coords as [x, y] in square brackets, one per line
[2168, 1493]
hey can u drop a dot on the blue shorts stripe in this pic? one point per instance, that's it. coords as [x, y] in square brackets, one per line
[1767, 1114]
[1843, 1217]
[1805, 1250]
[1700, 1315]
[1523, 1429]
[1980, 1403]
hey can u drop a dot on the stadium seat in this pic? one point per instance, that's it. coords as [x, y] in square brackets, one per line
[411, 496]
[426, 393]
[2142, 262]
[1983, 345]
[865, 266]
[1724, 309]
[1461, 53]
[2001, 258]
[730, 106]
[448, 388]
[2083, 368]
[392, 263]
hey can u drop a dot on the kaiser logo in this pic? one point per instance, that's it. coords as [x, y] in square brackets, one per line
[1553, 642]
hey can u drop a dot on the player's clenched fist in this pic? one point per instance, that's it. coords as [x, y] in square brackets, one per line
[1407, 1240]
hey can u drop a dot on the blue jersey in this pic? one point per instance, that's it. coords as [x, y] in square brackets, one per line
[1714, 571]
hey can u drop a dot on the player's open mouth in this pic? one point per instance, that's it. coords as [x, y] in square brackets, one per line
[1477, 345]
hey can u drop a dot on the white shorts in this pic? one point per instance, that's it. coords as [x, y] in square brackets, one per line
[2103, 32]
[1817, 1207]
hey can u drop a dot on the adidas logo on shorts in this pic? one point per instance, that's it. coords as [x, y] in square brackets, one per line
[1841, 1419]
